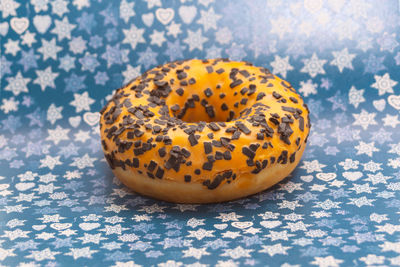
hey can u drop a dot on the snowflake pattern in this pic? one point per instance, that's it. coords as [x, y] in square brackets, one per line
[61, 61]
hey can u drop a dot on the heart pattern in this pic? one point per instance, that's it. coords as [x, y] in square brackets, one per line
[4, 186]
[221, 226]
[165, 15]
[379, 104]
[394, 101]
[60, 226]
[24, 186]
[19, 25]
[91, 118]
[148, 19]
[38, 227]
[270, 224]
[88, 226]
[75, 121]
[4, 28]
[242, 225]
[352, 176]
[307, 178]
[42, 23]
[326, 176]
[187, 13]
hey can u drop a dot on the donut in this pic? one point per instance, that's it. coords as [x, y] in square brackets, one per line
[202, 131]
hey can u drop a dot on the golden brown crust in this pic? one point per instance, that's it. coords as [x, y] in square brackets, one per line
[204, 127]
[247, 184]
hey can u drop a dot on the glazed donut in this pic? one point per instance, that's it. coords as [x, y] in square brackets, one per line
[200, 131]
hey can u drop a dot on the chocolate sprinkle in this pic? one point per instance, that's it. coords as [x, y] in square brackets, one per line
[274, 121]
[242, 127]
[135, 162]
[227, 155]
[276, 95]
[216, 143]
[207, 147]
[248, 152]
[130, 135]
[235, 83]
[152, 166]
[292, 157]
[208, 92]
[213, 126]
[181, 75]
[294, 100]
[207, 166]
[192, 140]
[288, 109]
[301, 124]
[245, 73]
[235, 135]
[283, 157]
[210, 111]
[225, 142]
[192, 81]
[179, 91]
[159, 173]
[260, 96]
[162, 152]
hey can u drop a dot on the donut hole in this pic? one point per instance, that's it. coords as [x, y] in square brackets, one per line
[196, 109]
[219, 104]
[220, 95]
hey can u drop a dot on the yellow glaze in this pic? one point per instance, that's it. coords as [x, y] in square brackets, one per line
[272, 89]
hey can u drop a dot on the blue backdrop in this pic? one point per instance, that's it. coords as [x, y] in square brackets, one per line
[59, 201]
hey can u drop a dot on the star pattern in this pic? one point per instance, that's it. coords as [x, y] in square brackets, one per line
[45, 78]
[58, 134]
[17, 84]
[195, 40]
[63, 29]
[364, 119]
[383, 84]
[12, 47]
[275, 249]
[342, 59]
[49, 49]
[62, 60]
[50, 162]
[366, 148]
[82, 102]
[391, 121]
[8, 8]
[281, 66]
[314, 66]
[356, 96]
[133, 36]
[209, 19]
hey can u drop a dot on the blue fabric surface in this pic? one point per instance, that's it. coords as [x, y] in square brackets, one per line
[59, 202]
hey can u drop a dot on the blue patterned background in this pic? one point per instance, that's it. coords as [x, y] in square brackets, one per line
[59, 202]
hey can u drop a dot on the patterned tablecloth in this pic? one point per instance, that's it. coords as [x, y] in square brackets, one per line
[59, 202]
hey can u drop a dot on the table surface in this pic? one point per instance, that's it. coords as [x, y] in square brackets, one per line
[60, 203]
